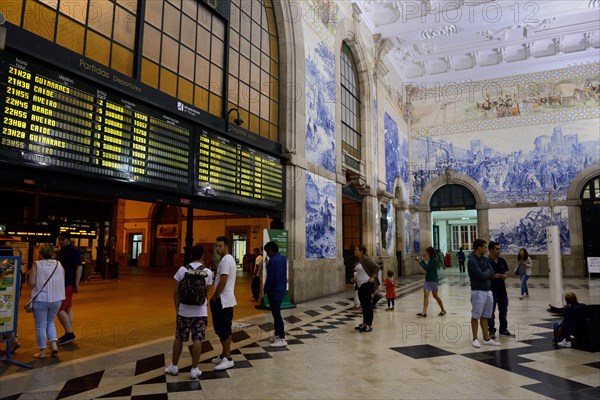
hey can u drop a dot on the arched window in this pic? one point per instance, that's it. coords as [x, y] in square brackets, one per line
[452, 196]
[350, 100]
[254, 67]
[591, 190]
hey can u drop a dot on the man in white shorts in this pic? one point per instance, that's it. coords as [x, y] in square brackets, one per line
[482, 300]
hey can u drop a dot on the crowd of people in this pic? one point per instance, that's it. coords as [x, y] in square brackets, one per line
[54, 280]
[192, 319]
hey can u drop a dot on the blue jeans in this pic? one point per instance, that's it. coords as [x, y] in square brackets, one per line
[44, 314]
[502, 302]
[277, 319]
[524, 289]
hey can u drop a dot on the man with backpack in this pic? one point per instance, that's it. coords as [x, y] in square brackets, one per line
[191, 307]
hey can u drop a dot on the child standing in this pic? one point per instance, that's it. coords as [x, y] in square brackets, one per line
[390, 290]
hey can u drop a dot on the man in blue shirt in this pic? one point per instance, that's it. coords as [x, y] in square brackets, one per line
[275, 286]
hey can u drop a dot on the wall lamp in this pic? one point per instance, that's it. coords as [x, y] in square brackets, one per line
[238, 121]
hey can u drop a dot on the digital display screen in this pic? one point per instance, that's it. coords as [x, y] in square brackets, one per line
[55, 120]
[232, 170]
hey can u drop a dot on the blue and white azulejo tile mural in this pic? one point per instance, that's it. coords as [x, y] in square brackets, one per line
[396, 156]
[321, 241]
[320, 103]
[515, 228]
[407, 226]
[415, 226]
[514, 164]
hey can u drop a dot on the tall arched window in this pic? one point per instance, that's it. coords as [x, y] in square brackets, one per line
[254, 66]
[350, 96]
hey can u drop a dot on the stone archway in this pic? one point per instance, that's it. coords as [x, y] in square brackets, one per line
[452, 178]
[576, 263]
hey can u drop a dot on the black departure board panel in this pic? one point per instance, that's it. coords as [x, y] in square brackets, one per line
[234, 171]
[55, 120]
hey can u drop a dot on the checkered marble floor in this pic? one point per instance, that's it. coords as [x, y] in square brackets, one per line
[326, 358]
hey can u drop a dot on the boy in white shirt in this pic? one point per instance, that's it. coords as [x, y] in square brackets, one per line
[190, 318]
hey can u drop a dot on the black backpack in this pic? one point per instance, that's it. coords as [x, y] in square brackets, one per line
[192, 288]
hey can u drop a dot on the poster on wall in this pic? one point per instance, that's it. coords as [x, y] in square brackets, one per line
[10, 267]
[167, 231]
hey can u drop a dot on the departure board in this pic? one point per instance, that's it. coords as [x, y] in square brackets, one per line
[234, 171]
[55, 120]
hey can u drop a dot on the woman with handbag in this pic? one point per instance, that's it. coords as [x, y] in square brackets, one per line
[524, 269]
[47, 277]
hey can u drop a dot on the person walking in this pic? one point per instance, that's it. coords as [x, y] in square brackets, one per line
[190, 318]
[431, 281]
[70, 258]
[498, 288]
[524, 269]
[222, 303]
[460, 256]
[47, 278]
[482, 300]
[366, 274]
[275, 287]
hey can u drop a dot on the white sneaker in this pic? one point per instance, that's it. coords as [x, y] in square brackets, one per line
[279, 343]
[564, 343]
[195, 374]
[172, 370]
[476, 344]
[217, 360]
[225, 364]
[273, 339]
[491, 342]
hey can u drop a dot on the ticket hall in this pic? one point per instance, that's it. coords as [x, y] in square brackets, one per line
[141, 128]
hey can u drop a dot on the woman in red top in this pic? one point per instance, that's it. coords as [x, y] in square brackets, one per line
[390, 290]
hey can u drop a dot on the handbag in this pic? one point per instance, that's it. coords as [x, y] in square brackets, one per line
[29, 306]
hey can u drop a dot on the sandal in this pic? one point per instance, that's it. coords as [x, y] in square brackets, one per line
[421, 315]
[37, 355]
[442, 313]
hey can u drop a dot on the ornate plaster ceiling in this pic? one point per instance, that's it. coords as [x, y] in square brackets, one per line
[430, 42]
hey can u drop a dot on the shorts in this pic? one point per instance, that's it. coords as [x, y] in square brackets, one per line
[433, 286]
[197, 325]
[482, 303]
[68, 301]
[222, 319]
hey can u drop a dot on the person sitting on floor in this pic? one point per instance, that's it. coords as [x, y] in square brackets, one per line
[564, 329]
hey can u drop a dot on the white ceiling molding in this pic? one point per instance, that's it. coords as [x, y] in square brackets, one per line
[441, 41]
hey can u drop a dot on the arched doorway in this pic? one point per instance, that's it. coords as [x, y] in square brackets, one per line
[463, 194]
[590, 216]
[166, 234]
[351, 226]
[454, 219]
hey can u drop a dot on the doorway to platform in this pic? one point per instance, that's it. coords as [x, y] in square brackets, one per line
[453, 220]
